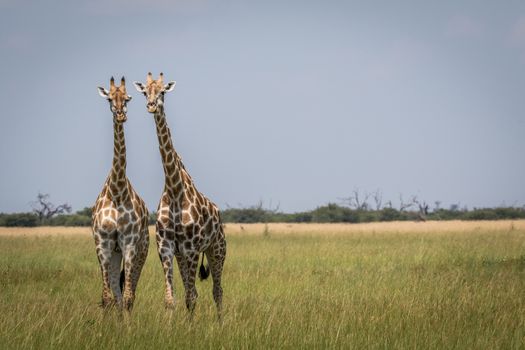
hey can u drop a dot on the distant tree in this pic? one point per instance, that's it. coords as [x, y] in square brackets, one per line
[87, 211]
[301, 217]
[252, 214]
[389, 214]
[404, 205]
[334, 213]
[378, 199]
[454, 207]
[69, 220]
[358, 200]
[338, 213]
[423, 209]
[18, 219]
[152, 219]
[44, 209]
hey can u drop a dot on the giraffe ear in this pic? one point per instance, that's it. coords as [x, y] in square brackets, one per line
[103, 92]
[169, 86]
[139, 86]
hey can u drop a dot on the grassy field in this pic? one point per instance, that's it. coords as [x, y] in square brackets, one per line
[446, 285]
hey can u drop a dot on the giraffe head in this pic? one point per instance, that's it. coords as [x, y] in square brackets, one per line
[154, 91]
[117, 97]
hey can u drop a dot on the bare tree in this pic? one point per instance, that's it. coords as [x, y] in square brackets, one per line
[437, 205]
[258, 206]
[405, 205]
[45, 209]
[423, 210]
[269, 209]
[455, 206]
[378, 199]
[356, 201]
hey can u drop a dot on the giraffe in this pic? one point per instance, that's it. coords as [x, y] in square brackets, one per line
[120, 217]
[188, 223]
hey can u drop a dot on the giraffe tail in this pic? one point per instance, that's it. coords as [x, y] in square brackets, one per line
[204, 271]
[122, 279]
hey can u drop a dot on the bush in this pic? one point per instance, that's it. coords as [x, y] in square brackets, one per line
[257, 214]
[446, 214]
[301, 217]
[68, 220]
[245, 215]
[152, 219]
[389, 214]
[87, 211]
[19, 220]
[495, 214]
[481, 215]
[334, 213]
[368, 215]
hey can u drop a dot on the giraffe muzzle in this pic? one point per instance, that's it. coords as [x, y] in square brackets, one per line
[152, 107]
[121, 117]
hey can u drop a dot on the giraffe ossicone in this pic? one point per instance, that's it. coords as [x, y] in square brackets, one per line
[188, 223]
[120, 216]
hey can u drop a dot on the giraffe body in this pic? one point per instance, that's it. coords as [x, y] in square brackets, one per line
[188, 223]
[120, 217]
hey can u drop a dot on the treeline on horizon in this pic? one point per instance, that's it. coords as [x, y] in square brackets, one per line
[330, 213]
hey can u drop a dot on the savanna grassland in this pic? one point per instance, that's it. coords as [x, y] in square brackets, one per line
[445, 285]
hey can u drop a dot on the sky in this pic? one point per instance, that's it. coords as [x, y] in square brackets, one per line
[293, 103]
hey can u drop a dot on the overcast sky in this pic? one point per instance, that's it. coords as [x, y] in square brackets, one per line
[293, 102]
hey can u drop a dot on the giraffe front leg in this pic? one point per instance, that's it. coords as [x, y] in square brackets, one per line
[167, 265]
[183, 269]
[114, 276]
[142, 254]
[216, 255]
[107, 299]
[128, 292]
[166, 251]
[104, 254]
[192, 261]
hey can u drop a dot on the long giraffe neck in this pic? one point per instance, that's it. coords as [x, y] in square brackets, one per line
[117, 178]
[174, 181]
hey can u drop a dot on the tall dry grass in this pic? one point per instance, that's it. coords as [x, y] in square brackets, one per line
[438, 227]
[443, 285]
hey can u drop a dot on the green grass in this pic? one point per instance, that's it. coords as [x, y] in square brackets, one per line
[287, 291]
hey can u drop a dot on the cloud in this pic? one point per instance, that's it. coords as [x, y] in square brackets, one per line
[18, 42]
[461, 26]
[517, 33]
[399, 59]
[122, 7]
